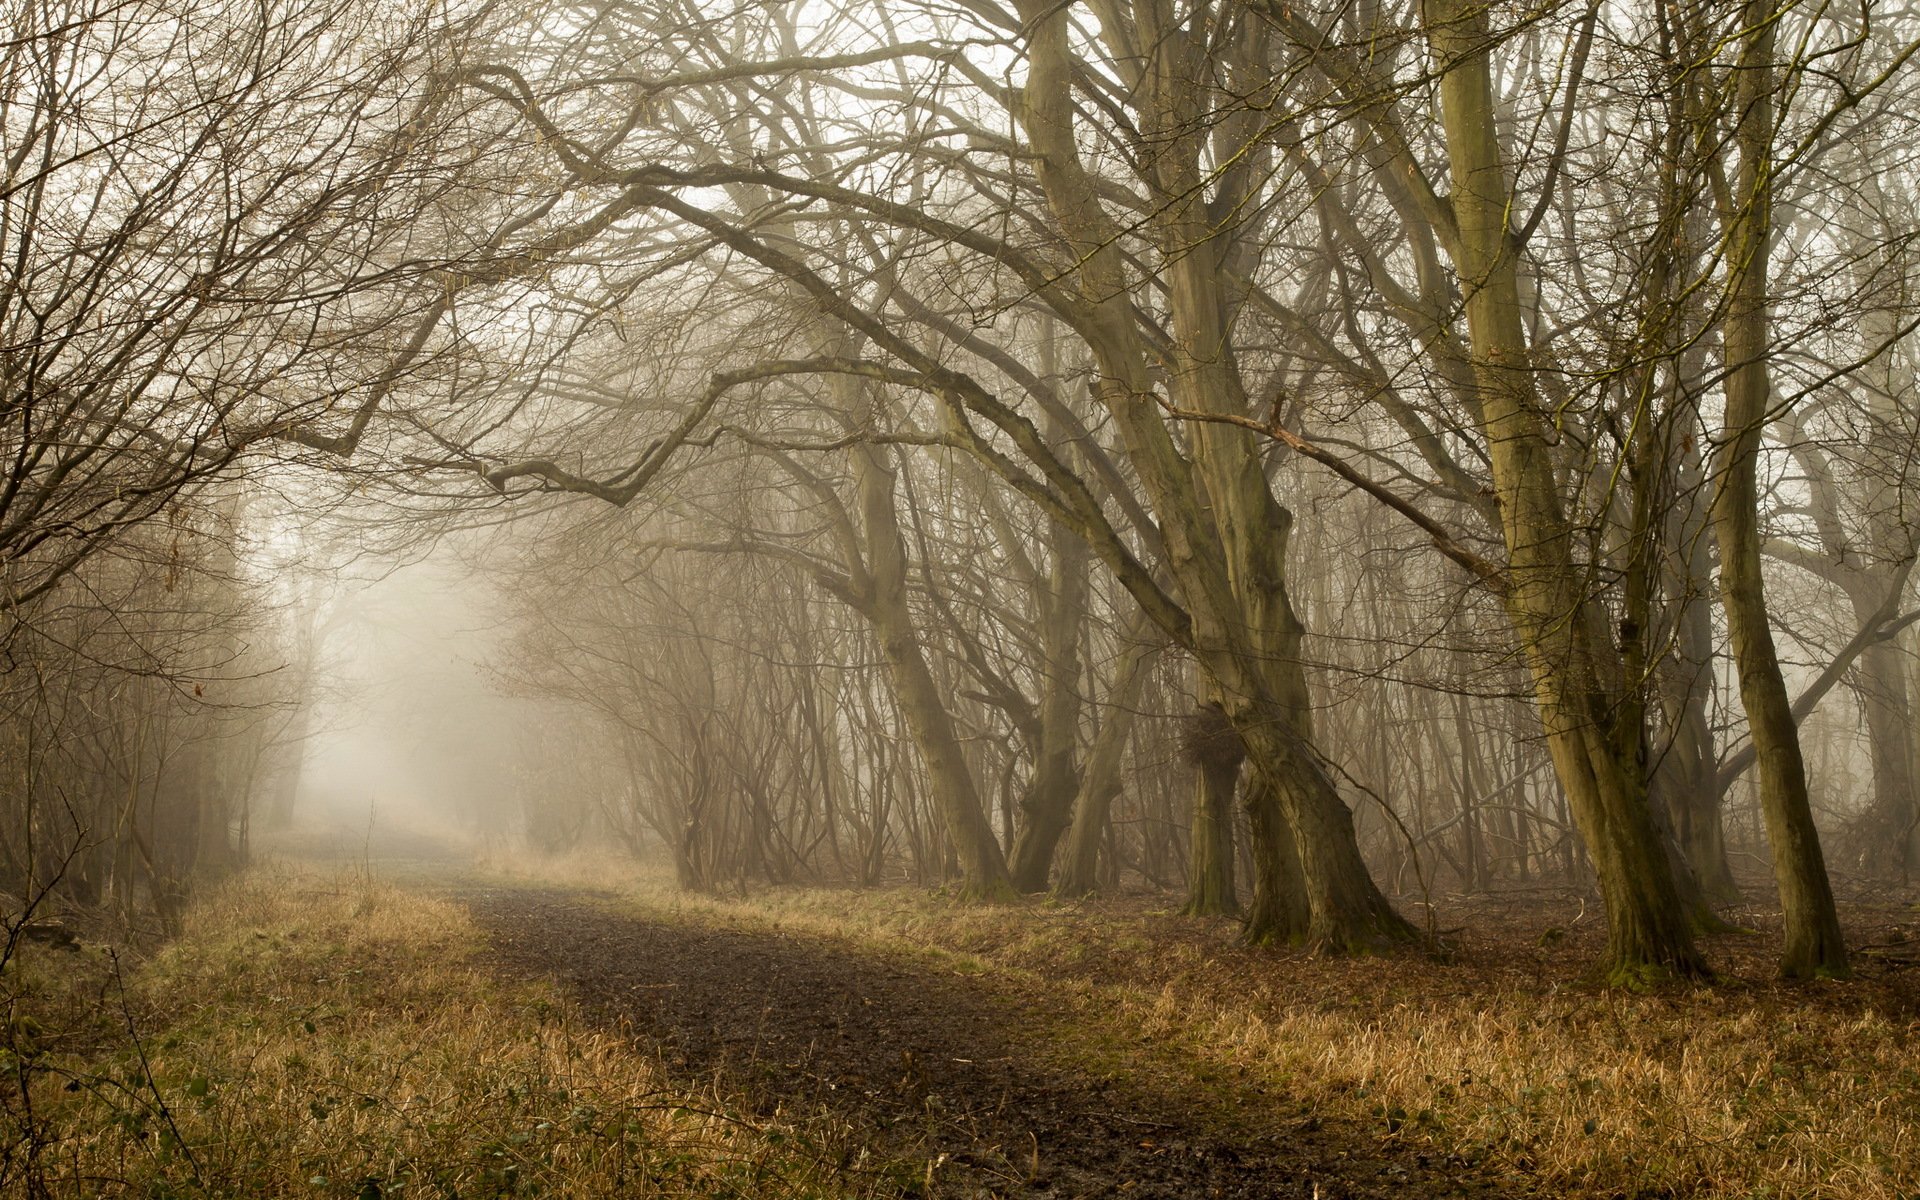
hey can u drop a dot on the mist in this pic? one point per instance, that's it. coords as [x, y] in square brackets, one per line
[413, 742]
[1339, 517]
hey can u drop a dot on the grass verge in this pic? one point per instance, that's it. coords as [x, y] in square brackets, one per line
[330, 1036]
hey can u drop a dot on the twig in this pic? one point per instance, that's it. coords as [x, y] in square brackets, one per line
[146, 1069]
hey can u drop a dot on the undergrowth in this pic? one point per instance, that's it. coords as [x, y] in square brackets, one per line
[330, 1036]
[1496, 1056]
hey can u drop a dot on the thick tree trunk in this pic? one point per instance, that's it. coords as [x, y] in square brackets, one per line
[1813, 945]
[1813, 942]
[1216, 753]
[1649, 930]
[1046, 808]
[1281, 910]
[1346, 911]
[1224, 535]
[1895, 812]
[1564, 633]
[1301, 829]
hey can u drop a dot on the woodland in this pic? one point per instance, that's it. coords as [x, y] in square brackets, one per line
[1310, 472]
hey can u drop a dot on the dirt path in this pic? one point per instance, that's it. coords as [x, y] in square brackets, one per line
[925, 1061]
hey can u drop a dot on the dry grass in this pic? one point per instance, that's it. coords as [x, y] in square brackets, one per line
[313, 1035]
[1496, 1055]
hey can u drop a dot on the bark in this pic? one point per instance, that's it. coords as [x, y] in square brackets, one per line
[1281, 910]
[1894, 820]
[1874, 578]
[983, 868]
[1224, 534]
[1046, 809]
[1047, 806]
[1813, 945]
[1100, 782]
[1598, 744]
[1893, 850]
[1217, 755]
[1320, 861]
[1684, 783]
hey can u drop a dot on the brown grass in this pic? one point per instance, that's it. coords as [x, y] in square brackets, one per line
[1496, 1055]
[313, 1035]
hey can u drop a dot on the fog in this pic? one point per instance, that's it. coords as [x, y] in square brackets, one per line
[1293, 461]
[897, 598]
[414, 744]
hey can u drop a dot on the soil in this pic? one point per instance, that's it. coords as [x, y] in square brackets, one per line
[919, 1061]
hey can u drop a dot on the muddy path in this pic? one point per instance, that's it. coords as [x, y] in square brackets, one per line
[972, 1073]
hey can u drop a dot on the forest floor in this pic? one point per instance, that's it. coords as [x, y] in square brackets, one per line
[432, 1028]
[996, 1082]
[1049, 1049]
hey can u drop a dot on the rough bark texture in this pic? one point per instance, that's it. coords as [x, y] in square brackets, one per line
[1281, 911]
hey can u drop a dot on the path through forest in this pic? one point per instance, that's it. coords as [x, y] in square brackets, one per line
[974, 1073]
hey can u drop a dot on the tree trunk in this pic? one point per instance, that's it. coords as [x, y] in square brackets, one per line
[1047, 806]
[1564, 633]
[982, 867]
[1473, 840]
[1685, 785]
[1895, 811]
[1684, 769]
[1228, 564]
[1282, 910]
[1216, 753]
[1813, 942]
[1100, 782]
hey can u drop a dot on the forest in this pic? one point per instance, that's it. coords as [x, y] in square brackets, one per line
[959, 597]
